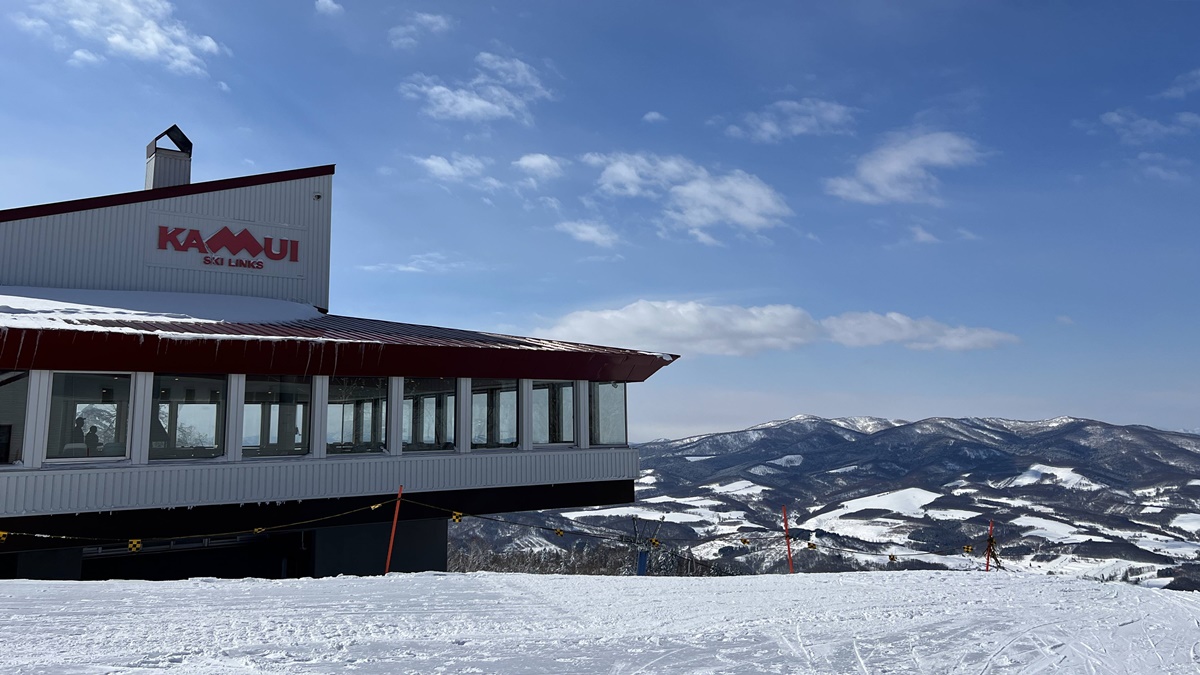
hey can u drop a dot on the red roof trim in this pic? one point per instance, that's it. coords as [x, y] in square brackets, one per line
[34, 349]
[57, 208]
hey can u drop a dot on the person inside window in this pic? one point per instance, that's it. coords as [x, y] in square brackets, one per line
[92, 439]
[77, 435]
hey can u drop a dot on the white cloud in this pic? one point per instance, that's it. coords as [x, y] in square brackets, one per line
[737, 198]
[640, 174]
[922, 236]
[732, 330]
[145, 30]
[82, 57]
[869, 329]
[1162, 167]
[614, 258]
[787, 119]
[502, 88]
[653, 117]
[223, 87]
[1133, 129]
[408, 35]
[967, 235]
[599, 234]
[693, 198]
[1183, 85]
[32, 24]
[1065, 320]
[1163, 173]
[898, 170]
[541, 166]
[421, 263]
[329, 8]
[455, 169]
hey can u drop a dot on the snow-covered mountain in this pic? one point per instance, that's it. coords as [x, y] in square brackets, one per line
[1066, 495]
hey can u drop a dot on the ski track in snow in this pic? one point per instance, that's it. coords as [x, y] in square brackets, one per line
[920, 622]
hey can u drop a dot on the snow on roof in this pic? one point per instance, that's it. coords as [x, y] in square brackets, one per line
[48, 308]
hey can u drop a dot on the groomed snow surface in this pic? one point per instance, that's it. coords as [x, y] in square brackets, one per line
[921, 622]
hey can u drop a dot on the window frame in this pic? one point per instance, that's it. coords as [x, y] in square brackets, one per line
[223, 418]
[129, 420]
[305, 432]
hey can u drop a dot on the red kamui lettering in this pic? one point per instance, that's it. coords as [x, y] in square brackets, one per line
[184, 239]
[193, 240]
[170, 235]
[272, 254]
[234, 243]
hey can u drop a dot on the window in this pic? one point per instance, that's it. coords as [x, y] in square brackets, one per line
[553, 412]
[275, 420]
[493, 413]
[607, 403]
[89, 416]
[188, 417]
[14, 388]
[429, 413]
[357, 415]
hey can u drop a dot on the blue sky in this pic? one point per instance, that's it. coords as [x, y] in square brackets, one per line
[911, 209]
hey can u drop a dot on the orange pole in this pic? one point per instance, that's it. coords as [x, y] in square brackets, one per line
[787, 538]
[392, 541]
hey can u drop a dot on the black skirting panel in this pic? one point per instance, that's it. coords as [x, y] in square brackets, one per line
[275, 540]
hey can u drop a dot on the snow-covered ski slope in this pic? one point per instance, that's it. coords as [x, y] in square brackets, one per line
[918, 622]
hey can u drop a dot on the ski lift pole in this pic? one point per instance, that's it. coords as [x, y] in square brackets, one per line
[988, 553]
[392, 541]
[787, 539]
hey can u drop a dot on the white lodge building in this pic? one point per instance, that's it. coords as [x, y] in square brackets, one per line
[169, 374]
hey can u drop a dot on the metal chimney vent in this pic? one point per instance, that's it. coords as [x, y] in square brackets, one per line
[166, 167]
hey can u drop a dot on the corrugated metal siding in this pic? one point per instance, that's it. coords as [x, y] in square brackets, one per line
[109, 248]
[53, 490]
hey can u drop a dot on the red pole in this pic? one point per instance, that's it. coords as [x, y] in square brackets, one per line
[392, 540]
[987, 555]
[787, 538]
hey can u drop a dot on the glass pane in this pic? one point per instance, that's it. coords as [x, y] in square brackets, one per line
[274, 415]
[429, 413]
[14, 389]
[89, 416]
[356, 414]
[553, 412]
[607, 403]
[493, 413]
[189, 417]
[406, 428]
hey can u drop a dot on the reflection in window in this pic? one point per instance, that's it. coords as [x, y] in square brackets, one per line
[493, 413]
[356, 415]
[14, 386]
[607, 403]
[553, 412]
[275, 417]
[188, 421]
[89, 416]
[429, 413]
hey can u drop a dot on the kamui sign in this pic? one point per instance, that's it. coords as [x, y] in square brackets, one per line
[244, 243]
